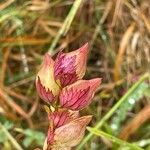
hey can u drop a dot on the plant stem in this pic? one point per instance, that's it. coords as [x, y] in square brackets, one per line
[113, 139]
[10, 137]
[66, 25]
[114, 108]
[143, 142]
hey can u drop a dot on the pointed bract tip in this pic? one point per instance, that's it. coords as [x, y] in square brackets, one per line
[96, 81]
[86, 45]
[47, 59]
[85, 119]
[84, 48]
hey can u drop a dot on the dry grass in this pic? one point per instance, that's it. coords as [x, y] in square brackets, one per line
[119, 36]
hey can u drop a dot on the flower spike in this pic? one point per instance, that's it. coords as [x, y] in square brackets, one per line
[61, 80]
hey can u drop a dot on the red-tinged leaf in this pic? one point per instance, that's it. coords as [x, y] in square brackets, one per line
[44, 94]
[79, 95]
[45, 82]
[70, 135]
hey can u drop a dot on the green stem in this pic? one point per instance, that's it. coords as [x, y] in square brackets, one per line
[114, 108]
[143, 142]
[6, 16]
[66, 25]
[113, 139]
[10, 137]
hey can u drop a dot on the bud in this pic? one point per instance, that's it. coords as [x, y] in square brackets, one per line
[70, 67]
[70, 134]
[79, 94]
[45, 83]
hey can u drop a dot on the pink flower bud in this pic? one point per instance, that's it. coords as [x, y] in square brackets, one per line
[79, 94]
[69, 135]
[70, 67]
[45, 83]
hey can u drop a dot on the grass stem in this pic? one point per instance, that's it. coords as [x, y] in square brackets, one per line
[66, 25]
[114, 139]
[10, 137]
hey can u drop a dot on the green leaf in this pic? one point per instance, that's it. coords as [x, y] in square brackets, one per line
[27, 141]
[4, 139]
[127, 105]
[8, 125]
[113, 139]
[147, 92]
[33, 136]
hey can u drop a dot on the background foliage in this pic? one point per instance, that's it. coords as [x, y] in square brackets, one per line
[118, 32]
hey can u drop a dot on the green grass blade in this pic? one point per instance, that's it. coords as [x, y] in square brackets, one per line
[121, 113]
[143, 142]
[113, 139]
[66, 25]
[10, 137]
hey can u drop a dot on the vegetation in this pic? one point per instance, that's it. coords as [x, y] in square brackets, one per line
[118, 33]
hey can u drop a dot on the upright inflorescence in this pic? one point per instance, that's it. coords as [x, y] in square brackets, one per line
[59, 83]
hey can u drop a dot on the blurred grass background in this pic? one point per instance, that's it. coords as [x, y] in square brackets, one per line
[118, 32]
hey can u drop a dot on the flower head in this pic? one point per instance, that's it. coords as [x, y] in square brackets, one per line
[61, 80]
